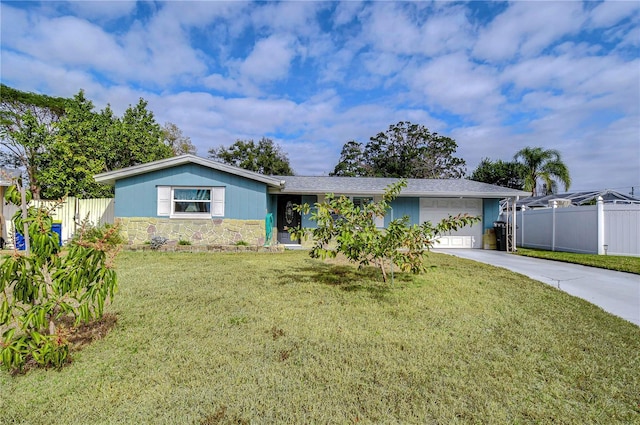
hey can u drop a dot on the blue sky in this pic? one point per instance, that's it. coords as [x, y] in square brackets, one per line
[495, 76]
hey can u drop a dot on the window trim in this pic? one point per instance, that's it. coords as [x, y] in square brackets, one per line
[361, 200]
[191, 214]
[167, 201]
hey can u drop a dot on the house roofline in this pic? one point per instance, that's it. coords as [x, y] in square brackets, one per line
[403, 193]
[110, 177]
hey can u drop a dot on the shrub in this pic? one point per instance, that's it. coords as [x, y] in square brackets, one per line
[157, 242]
[41, 287]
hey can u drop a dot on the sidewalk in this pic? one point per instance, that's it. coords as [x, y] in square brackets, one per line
[615, 292]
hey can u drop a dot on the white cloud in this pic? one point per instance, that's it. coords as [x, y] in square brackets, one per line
[590, 76]
[220, 83]
[609, 13]
[314, 75]
[234, 14]
[291, 17]
[447, 30]
[390, 29]
[71, 41]
[160, 51]
[102, 10]
[345, 12]
[14, 24]
[43, 77]
[156, 53]
[525, 29]
[455, 84]
[631, 38]
[270, 59]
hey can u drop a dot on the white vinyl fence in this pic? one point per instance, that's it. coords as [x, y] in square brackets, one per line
[70, 213]
[593, 229]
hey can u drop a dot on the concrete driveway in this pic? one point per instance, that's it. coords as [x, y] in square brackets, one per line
[615, 292]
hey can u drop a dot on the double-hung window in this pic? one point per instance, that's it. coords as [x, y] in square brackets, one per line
[190, 202]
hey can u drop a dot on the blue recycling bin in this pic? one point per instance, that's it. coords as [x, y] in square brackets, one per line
[19, 241]
[56, 227]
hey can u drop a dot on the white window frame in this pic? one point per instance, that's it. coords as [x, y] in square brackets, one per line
[167, 201]
[379, 221]
[358, 201]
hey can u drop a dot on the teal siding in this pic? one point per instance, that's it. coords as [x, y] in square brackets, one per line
[402, 207]
[311, 200]
[136, 196]
[272, 203]
[490, 212]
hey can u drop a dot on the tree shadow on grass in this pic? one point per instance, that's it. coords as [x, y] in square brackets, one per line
[348, 277]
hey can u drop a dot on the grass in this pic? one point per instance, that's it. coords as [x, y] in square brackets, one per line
[611, 262]
[280, 338]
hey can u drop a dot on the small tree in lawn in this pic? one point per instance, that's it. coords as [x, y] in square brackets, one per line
[39, 288]
[345, 228]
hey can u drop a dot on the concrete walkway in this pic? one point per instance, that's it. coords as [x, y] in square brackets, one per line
[615, 292]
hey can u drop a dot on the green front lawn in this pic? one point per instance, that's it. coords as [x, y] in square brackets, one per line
[611, 262]
[280, 338]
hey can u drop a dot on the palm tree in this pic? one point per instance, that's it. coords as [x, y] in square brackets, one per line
[545, 165]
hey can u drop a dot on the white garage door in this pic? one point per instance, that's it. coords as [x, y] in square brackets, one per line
[435, 209]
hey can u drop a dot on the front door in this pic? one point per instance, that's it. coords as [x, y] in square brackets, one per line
[287, 217]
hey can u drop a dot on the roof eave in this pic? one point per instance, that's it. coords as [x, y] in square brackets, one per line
[485, 195]
[110, 177]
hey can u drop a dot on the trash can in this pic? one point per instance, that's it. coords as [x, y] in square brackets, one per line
[489, 239]
[56, 227]
[19, 241]
[500, 228]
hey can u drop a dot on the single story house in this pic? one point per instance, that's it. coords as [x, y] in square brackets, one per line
[208, 202]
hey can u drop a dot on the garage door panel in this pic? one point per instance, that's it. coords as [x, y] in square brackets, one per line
[437, 209]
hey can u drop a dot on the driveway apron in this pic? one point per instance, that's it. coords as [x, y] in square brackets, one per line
[615, 292]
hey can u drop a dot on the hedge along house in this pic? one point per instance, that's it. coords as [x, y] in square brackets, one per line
[207, 202]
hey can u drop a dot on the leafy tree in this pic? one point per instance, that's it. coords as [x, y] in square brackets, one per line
[404, 150]
[350, 230]
[77, 153]
[62, 142]
[351, 161]
[264, 157]
[141, 138]
[27, 128]
[501, 173]
[543, 164]
[39, 289]
[178, 142]
[88, 143]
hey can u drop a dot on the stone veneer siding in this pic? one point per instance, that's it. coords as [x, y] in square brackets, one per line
[217, 231]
